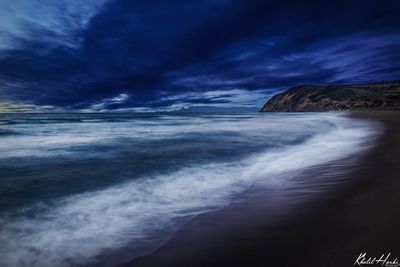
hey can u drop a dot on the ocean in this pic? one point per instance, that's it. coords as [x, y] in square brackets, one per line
[79, 189]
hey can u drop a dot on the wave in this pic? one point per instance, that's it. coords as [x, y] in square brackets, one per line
[144, 213]
[48, 140]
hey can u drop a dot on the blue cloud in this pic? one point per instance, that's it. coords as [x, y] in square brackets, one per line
[86, 54]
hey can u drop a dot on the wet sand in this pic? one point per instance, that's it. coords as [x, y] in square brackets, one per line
[352, 207]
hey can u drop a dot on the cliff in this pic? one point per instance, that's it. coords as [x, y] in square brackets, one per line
[376, 96]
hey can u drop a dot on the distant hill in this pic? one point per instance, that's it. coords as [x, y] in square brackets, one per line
[374, 96]
[211, 109]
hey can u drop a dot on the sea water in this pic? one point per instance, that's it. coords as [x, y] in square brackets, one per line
[76, 187]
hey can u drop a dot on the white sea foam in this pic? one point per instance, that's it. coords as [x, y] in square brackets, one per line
[55, 139]
[75, 230]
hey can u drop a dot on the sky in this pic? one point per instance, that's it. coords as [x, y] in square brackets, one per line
[149, 55]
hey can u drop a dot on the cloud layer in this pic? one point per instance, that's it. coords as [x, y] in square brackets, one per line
[136, 55]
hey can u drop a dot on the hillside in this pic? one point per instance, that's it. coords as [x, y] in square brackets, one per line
[375, 96]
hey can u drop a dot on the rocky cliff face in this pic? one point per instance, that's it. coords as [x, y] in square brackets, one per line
[379, 96]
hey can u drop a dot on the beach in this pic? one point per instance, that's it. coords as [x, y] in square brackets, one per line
[218, 133]
[356, 212]
[251, 189]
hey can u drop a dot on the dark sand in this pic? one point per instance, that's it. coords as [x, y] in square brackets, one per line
[329, 225]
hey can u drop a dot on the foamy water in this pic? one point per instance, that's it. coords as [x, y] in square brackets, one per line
[67, 207]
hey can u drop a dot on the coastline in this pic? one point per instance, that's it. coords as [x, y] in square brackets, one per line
[326, 230]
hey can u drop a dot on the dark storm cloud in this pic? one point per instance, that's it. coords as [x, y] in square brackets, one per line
[125, 54]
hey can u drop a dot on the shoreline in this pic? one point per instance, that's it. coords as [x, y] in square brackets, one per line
[329, 229]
